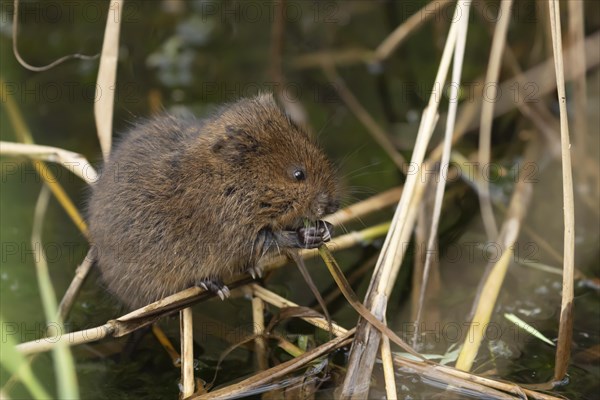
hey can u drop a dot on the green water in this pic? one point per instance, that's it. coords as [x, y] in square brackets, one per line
[194, 55]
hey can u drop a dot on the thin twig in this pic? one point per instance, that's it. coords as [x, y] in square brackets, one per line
[15, 34]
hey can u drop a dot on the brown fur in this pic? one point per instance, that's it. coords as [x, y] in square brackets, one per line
[182, 201]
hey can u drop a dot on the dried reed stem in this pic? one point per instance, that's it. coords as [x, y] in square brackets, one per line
[258, 319]
[459, 53]
[487, 115]
[107, 76]
[363, 352]
[186, 329]
[492, 283]
[388, 367]
[74, 162]
[580, 98]
[565, 331]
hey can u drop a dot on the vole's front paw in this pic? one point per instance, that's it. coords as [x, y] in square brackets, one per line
[216, 286]
[315, 235]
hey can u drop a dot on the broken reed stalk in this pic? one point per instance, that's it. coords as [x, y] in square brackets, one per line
[455, 81]
[107, 76]
[486, 299]
[487, 114]
[186, 333]
[74, 162]
[366, 342]
[565, 330]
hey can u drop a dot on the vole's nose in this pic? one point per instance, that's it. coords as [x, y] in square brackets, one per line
[332, 206]
[325, 205]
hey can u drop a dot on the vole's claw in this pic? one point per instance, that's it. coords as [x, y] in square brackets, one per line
[223, 293]
[216, 286]
[255, 271]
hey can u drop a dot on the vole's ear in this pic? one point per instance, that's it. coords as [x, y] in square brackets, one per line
[266, 99]
[236, 144]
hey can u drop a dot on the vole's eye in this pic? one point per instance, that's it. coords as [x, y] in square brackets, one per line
[299, 175]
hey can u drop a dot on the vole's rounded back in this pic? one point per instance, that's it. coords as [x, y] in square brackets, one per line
[184, 202]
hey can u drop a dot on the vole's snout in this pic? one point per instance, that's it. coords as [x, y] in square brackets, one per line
[325, 205]
[332, 206]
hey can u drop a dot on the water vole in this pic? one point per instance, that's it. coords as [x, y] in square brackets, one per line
[185, 202]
